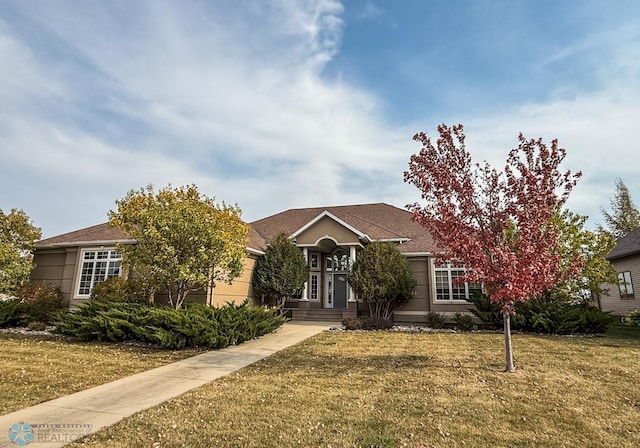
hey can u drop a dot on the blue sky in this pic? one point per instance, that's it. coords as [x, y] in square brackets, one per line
[296, 103]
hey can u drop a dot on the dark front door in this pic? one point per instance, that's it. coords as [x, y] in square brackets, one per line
[340, 288]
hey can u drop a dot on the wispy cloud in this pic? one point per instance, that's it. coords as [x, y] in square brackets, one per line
[101, 97]
[236, 104]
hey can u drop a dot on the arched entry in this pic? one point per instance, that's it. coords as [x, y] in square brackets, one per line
[337, 268]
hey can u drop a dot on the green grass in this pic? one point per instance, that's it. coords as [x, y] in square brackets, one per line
[619, 331]
[383, 389]
[40, 368]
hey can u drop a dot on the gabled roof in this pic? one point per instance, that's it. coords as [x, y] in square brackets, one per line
[103, 234]
[94, 235]
[371, 221]
[377, 221]
[626, 246]
[334, 218]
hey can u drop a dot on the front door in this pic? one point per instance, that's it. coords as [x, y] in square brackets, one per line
[340, 290]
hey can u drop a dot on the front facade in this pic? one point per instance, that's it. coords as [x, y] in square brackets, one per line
[620, 298]
[329, 237]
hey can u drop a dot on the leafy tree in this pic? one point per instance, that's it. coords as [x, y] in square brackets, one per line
[624, 216]
[382, 278]
[592, 246]
[280, 271]
[17, 238]
[184, 240]
[499, 225]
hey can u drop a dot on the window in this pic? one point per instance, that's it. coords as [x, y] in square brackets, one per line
[625, 285]
[314, 261]
[446, 274]
[97, 266]
[314, 287]
[338, 262]
[297, 294]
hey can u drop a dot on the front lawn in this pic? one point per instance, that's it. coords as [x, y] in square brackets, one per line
[384, 389]
[39, 368]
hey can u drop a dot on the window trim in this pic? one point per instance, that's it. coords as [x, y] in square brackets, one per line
[434, 287]
[626, 284]
[317, 286]
[80, 266]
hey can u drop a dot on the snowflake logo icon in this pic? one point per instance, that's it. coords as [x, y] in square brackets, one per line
[21, 433]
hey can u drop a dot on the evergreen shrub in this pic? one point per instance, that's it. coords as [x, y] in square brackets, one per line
[195, 325]
[546, 316]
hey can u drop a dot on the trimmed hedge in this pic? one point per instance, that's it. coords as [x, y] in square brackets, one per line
[193, 326]
[554, 317]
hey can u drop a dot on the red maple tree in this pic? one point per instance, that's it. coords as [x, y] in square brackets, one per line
[497, 224]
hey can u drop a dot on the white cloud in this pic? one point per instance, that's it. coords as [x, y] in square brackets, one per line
[103, 97]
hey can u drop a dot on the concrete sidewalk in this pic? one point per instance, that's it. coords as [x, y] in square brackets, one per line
[93, 409]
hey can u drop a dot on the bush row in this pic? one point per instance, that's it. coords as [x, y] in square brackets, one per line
[193, 326]
[36, 302]
[555, 317]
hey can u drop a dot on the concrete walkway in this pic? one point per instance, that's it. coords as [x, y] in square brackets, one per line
[93, 409]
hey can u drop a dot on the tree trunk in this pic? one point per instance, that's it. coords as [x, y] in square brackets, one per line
[506, 318]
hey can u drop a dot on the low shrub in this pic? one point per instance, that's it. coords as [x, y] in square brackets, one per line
[376, 323]
[352, 323]
[464, 322]
[40, 302]
[547, 316]
[367, 323]
[489, 313]
[10, 312]
[632, 319]
[37, 326]
[193, 326]
[118, 289]
[435, 320]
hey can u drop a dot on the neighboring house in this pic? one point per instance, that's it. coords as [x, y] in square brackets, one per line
[329, 237]
[625, 257]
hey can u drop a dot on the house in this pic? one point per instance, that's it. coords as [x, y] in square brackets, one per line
[625, 257]
[329, 237]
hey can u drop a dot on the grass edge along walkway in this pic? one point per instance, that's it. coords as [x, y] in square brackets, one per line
[109, 403]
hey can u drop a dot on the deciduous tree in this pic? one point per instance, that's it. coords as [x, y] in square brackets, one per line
[382, 278]
[17, 237]
[624, 216]
[593, 246]
[184, 240]
[498, 224]
[280, 271]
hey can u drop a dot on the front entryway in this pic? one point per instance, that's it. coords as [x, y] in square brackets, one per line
[337, 290]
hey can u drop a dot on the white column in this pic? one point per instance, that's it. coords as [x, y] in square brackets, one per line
[305, 294]
[352, 260]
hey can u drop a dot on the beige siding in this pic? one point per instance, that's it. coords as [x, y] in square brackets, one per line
[327, 227]
[611, 301]
[57, 267]
[417, 308]
[423, 300]
[239, 290]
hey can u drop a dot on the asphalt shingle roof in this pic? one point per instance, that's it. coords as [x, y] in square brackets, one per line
[625, 246]
[378, 221]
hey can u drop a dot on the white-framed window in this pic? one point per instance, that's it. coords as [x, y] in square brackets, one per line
[97, 266]
[445, 290]
[314, 264]
[339, 261]
[625, 285]
[313, 290]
